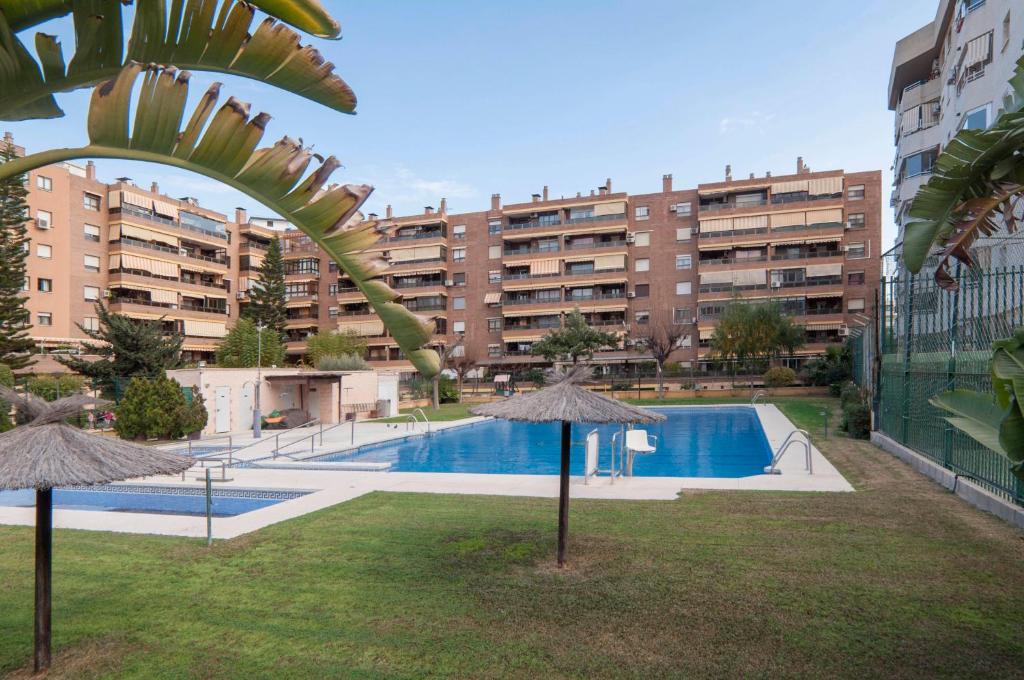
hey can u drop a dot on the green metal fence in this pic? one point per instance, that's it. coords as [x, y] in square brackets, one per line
[932, 340]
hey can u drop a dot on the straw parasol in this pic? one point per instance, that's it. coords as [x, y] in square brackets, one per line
[48, 452]
[567, 402]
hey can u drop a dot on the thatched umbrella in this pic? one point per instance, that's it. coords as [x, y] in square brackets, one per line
[48, 452]
[565, 401]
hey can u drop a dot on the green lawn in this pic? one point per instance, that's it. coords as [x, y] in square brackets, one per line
[445, 412]
[900, 579]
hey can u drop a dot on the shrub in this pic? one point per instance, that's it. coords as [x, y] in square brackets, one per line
[157, 409]
[779, 376]
[623, 386]
[849, 393]
[537, 376]
[447, 391]
[6, 376]
[335, 343]
[53, 387]
[344, 362]
[857, 420]
[834, 368]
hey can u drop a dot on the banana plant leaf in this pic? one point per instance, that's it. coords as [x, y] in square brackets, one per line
[221, 143]
[200, 35]
[975, 188]
[975, 414]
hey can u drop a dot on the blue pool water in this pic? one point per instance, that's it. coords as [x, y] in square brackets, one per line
[121, 498]
[692, 442]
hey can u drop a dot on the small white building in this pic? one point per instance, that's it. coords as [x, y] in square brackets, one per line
[305, 394]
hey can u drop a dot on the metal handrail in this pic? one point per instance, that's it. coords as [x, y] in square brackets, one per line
[773, 470]
[277, 436]
[760, 394]
[311, 438]
[425, 419]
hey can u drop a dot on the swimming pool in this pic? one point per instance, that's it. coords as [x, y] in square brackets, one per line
[153, 499]
[692, 442]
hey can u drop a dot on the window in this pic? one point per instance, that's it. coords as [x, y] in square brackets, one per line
[684, 209]
[683, 288]
[976, 119]
[856, 220]
[855, 278]
[855, 251]
[91, 323]
[92, 232]
[44, 219]
[459, 232]
[458, 254]
[919, 163]
[494, 350]
[459, 279]
[547, 245]
[683, 234]
[642, 317]
[332, 266]
[856, 305]
[494, 276]
[44, 319]
[92, 263]
[855, 192]
[493, 252]
[26, 284]
[494, 325]
[90, 201]
[642, 290]
[44, 183]
[44, 251]
[44, 285]
[332, 312]
[493, 227]
[459, 327]
[642, 238]
[91, 293]
[459, 303]
[642, 212]
[642, 265]
[682, 315]
[684, 261]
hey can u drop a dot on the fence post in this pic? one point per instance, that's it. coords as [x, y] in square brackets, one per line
[954, 323]
[906, 360]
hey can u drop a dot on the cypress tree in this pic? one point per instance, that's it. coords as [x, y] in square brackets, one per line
[267, 296]
[15, 343]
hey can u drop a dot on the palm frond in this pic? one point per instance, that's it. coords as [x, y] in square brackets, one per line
[221, 143]
[200, 35]
[976, 183]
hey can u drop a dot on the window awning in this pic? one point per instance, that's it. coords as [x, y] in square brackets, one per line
[978, 49]
[413, 272]
[788, 219]
[825, 295]
[532, 286]
[706, 333]
[750, 277]
[616, 208]
[789, 187]
[165, 209]
[165, 296]
[492, 298]
[824, 269]
[205, 329]
[158, 267]
[825, 185]
[551, 311]
[724, 224]
[544, 267]
[610, 262]
[502, 378]
[716, 277]
[825, 216]
[375, 327]
[417, 253]
[823, 325]
[141, 201]
[532, 337]
[141, 234]
[824, 239]
[750, 222]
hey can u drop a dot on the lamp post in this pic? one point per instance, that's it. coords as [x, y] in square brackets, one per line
[257, 417]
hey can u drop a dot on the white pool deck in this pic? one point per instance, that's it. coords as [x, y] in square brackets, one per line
[329, 486]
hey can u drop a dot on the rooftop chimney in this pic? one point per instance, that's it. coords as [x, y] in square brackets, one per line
[728, 173]
[591, 192]
[90, 170]
[751, 176]
[154, 187]
[666, 183]
[579, 195]
[444, 206]
[608, 185]
[373, 217]
[768, 174]
[495, 201]
[241, 215]
[545, 192]
[8, 137]
[535, 198]
[428, 210]
[387, 212]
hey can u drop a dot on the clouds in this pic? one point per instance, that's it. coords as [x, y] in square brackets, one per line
[754, 121]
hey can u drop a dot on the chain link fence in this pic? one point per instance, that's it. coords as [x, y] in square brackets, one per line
[932, 340]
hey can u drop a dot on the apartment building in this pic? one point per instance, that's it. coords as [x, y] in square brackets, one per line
[498, 279]
[949, 75]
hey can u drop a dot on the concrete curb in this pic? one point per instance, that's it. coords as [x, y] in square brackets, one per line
[964, 488]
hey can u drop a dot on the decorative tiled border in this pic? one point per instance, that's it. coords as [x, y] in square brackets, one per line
[264, 494]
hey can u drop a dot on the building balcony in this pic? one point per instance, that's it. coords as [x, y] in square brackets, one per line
[134, 277]
[181, 255]
[130, 213]
[423, 238]
[148, 308]
[724, 240]
[302, 322]
[312, 275]
[430, 264]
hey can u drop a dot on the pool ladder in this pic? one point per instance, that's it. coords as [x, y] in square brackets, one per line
[759, 395]
[774, 470]
[413, 421]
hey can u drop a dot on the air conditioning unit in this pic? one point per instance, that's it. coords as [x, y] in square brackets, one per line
[630, 238]
[449, 282]
[240, 295]
[776, 284]
[844, 331]
[631, 294]
[106, 292]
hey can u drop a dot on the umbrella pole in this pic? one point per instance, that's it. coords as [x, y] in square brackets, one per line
[563, 493]
[44, 555]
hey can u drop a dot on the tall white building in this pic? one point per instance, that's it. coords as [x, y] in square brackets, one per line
[950, 74]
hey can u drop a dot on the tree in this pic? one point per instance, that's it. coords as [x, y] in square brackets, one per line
[15, 343]
[335, 344]
[976, 184]
[661, 340]
[130, 348]
[574, 341]
[760, 332]
[446, 351]
[267, 292]
[243, 345]
[833, 368]
[462, 364]
[156, 408]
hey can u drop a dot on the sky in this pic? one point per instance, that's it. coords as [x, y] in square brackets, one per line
[462, 99]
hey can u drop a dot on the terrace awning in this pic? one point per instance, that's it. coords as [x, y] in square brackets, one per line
[206, 329]
[492, 298]
[544, 267]
[824, 269]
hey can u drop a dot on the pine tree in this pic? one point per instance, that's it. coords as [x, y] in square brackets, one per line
[132, 348]
[243, 342]
[267, 294]
[15, 343]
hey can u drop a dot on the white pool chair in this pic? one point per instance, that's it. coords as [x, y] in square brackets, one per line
[638, 442]
[590, 459]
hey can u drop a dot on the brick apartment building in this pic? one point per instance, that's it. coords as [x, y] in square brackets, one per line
[500, 278]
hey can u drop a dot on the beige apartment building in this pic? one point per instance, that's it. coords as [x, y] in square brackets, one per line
[948, 75]
[499, 278]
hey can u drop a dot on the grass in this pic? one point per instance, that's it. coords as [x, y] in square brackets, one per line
[443, 413]
[900, 579]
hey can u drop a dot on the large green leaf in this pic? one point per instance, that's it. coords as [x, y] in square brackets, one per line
[975, 186]
[975, 414]
[221, 143]
[200, 35]
[1011, 438]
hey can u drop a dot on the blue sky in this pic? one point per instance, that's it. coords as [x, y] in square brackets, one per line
[464, 99]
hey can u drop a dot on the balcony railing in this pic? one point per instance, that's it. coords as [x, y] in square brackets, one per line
[430, 307]
[765, 230]
[595, 271]
[429, 260]
[596, 218]
[534, 224]
[160, 219]
[417, 284]
[733, 260]
[715, 207]
[529, 250]
[596, 296]
[594, 244]
[138, 272]
[168, 305]
[531, 301]
[414, 237]
[807, 256]
[181, 252]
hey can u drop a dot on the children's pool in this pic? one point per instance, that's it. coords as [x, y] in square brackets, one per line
[693, 442]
